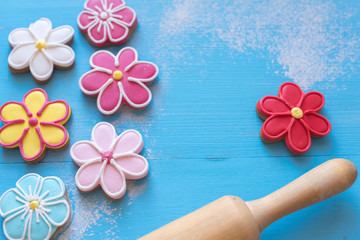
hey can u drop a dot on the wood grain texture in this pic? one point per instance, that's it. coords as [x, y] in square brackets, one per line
[201, 131]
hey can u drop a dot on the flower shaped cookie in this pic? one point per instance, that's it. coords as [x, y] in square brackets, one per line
[293, 115]
[35, 209]
[107, 21]
[108, 160]
[118, 79]
[39, 48]
[34, 124]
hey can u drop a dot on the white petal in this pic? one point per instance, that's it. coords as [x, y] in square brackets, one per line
[20, 36]
[20, 56]
[62, 34]
[40, 66]
[61, 55]
[41, 28]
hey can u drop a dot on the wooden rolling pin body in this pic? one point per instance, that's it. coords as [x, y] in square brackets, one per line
[231, 218]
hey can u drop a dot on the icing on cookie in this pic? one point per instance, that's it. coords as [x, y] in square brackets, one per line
[107, 21]
[108, 160]
[35, 208]
[40, 47]
[118, 79]
[34, 123]
[293, 115]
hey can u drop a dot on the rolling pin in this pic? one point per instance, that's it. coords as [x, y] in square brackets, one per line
[230, 217]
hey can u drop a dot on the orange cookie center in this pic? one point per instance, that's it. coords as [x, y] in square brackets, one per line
[297, 113]
[117, 75]
[40, 44]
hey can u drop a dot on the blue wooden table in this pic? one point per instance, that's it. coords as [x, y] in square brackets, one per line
[201, 131]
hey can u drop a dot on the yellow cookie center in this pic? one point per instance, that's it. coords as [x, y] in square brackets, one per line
[297, 113]
[117, 75]
[34, 204]
[40, 44]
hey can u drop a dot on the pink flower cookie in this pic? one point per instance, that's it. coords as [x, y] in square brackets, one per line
[107, 22]
[34, 125]
[118, 79]
[108, 160]
[293, 115]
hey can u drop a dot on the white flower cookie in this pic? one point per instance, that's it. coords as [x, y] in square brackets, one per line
[39, 48]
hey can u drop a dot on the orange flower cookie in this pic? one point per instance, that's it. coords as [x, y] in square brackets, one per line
[34, 124]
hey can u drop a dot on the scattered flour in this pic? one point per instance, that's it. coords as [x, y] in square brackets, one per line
[88, 209]
[312, 41]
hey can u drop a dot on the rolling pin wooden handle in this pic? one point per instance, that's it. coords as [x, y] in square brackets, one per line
[231, 218]
[322, 182]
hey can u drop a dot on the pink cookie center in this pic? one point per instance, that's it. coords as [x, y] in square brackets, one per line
[104, 15]
[107, 156]
[33, 122]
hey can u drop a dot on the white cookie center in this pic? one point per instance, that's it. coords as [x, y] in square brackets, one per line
[104, 15]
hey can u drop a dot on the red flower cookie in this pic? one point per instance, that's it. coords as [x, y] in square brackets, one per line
[293, 115]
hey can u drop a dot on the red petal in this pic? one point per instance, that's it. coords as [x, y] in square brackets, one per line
[269, 105]
[318, 124]
[275, 127]
[313, 101]
[291, 93]
[298, 138]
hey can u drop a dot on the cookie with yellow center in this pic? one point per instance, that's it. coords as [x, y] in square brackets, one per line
[36, 209]
[34, 125]
[40, 48]
[292, 115]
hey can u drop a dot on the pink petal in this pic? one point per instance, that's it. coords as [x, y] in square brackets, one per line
[113, 182]
[137, 95]
[84, 21]
[269, 105]
[103, 59]
[103, 135]
[298, 138]
[115, 3]
[128, 16]
[313, 101]
[318, 124]
[133, 165]
[118, 33]
[143, 71]
[93, 80]
[88, 176]
[128, 141]
[275, 127]
[92, 3]
[84, 151]
[98, 37]
[291, 93]
[126, 56]
[110, 98]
